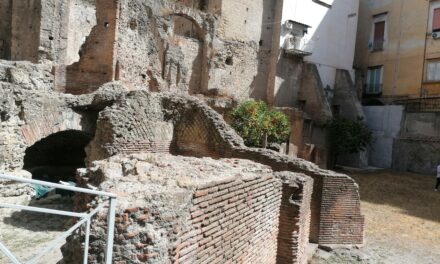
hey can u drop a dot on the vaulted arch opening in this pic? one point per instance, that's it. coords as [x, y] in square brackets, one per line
[58, 156]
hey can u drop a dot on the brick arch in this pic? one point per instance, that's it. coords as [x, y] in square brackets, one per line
[200, 30]
[52, 123]
[196, 17]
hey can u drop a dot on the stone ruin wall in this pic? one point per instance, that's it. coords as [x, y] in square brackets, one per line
[181, 125]
[231, 215]
[192, 128]
[141, 44]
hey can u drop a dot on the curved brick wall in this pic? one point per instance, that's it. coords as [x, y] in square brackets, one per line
[198, 130]
[336, 215]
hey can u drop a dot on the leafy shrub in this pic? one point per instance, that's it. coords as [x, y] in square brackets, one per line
[348, 137]
[254, 121]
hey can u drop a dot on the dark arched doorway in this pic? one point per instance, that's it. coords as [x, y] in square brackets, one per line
[58, 156]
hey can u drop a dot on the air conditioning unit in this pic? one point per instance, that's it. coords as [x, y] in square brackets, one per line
[436, 35]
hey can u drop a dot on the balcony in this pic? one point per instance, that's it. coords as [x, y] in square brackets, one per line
[298, 47]
[373, 89]
[377, 45]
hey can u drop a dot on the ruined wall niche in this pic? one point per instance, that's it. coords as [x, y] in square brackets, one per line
[82, 18]
[97, 64]
[25, 30]
[187, 40]
[34, 30]
[185, 27]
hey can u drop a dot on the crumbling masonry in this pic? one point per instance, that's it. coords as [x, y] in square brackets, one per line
[190, 191]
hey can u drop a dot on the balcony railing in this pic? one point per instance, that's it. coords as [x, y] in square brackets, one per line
[84, 220]
[427, 104]
[302, 47]
[377, 45]
[373, 89]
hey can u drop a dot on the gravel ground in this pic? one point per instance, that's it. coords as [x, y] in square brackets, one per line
[402, 214]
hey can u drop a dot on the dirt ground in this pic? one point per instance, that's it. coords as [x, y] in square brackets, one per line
[402, 214]
[26, 233]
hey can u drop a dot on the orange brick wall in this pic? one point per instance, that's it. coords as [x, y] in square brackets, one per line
[233, 221]
[239, 221]
[341, 219]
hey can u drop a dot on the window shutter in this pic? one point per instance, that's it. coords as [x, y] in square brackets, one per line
[436, 20]
[379, 31]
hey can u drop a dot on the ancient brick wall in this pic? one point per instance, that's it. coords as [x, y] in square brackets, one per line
[341, 221]
[97, 62]
[200, 131]
[134, 124]
[336, 216]
[175, 209]
[233, 221]
[294, 223]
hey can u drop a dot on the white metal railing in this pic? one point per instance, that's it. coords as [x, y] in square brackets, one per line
[84, 219]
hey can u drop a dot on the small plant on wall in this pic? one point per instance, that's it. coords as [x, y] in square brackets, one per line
[258, 125]
[348, 137]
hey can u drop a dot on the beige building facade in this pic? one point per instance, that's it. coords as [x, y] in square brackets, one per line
[398, 49]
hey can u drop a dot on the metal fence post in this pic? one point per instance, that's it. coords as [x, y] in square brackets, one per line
[8, 254]
[85, 219]
[110, 230]
[86, 243]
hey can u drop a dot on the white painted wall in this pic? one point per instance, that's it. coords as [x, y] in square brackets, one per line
[332, 36]
[385, 123]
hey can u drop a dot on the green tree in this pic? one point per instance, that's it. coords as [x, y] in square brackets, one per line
[348, 137]
[257, 124]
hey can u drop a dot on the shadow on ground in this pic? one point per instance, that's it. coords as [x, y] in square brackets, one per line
[413, 193]
[33, 221]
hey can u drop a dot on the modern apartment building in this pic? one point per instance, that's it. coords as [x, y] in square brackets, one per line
[398, 49]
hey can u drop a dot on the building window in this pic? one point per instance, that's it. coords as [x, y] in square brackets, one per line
[379, 35]
[436, 20]
[433, 71]
[374, 80]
